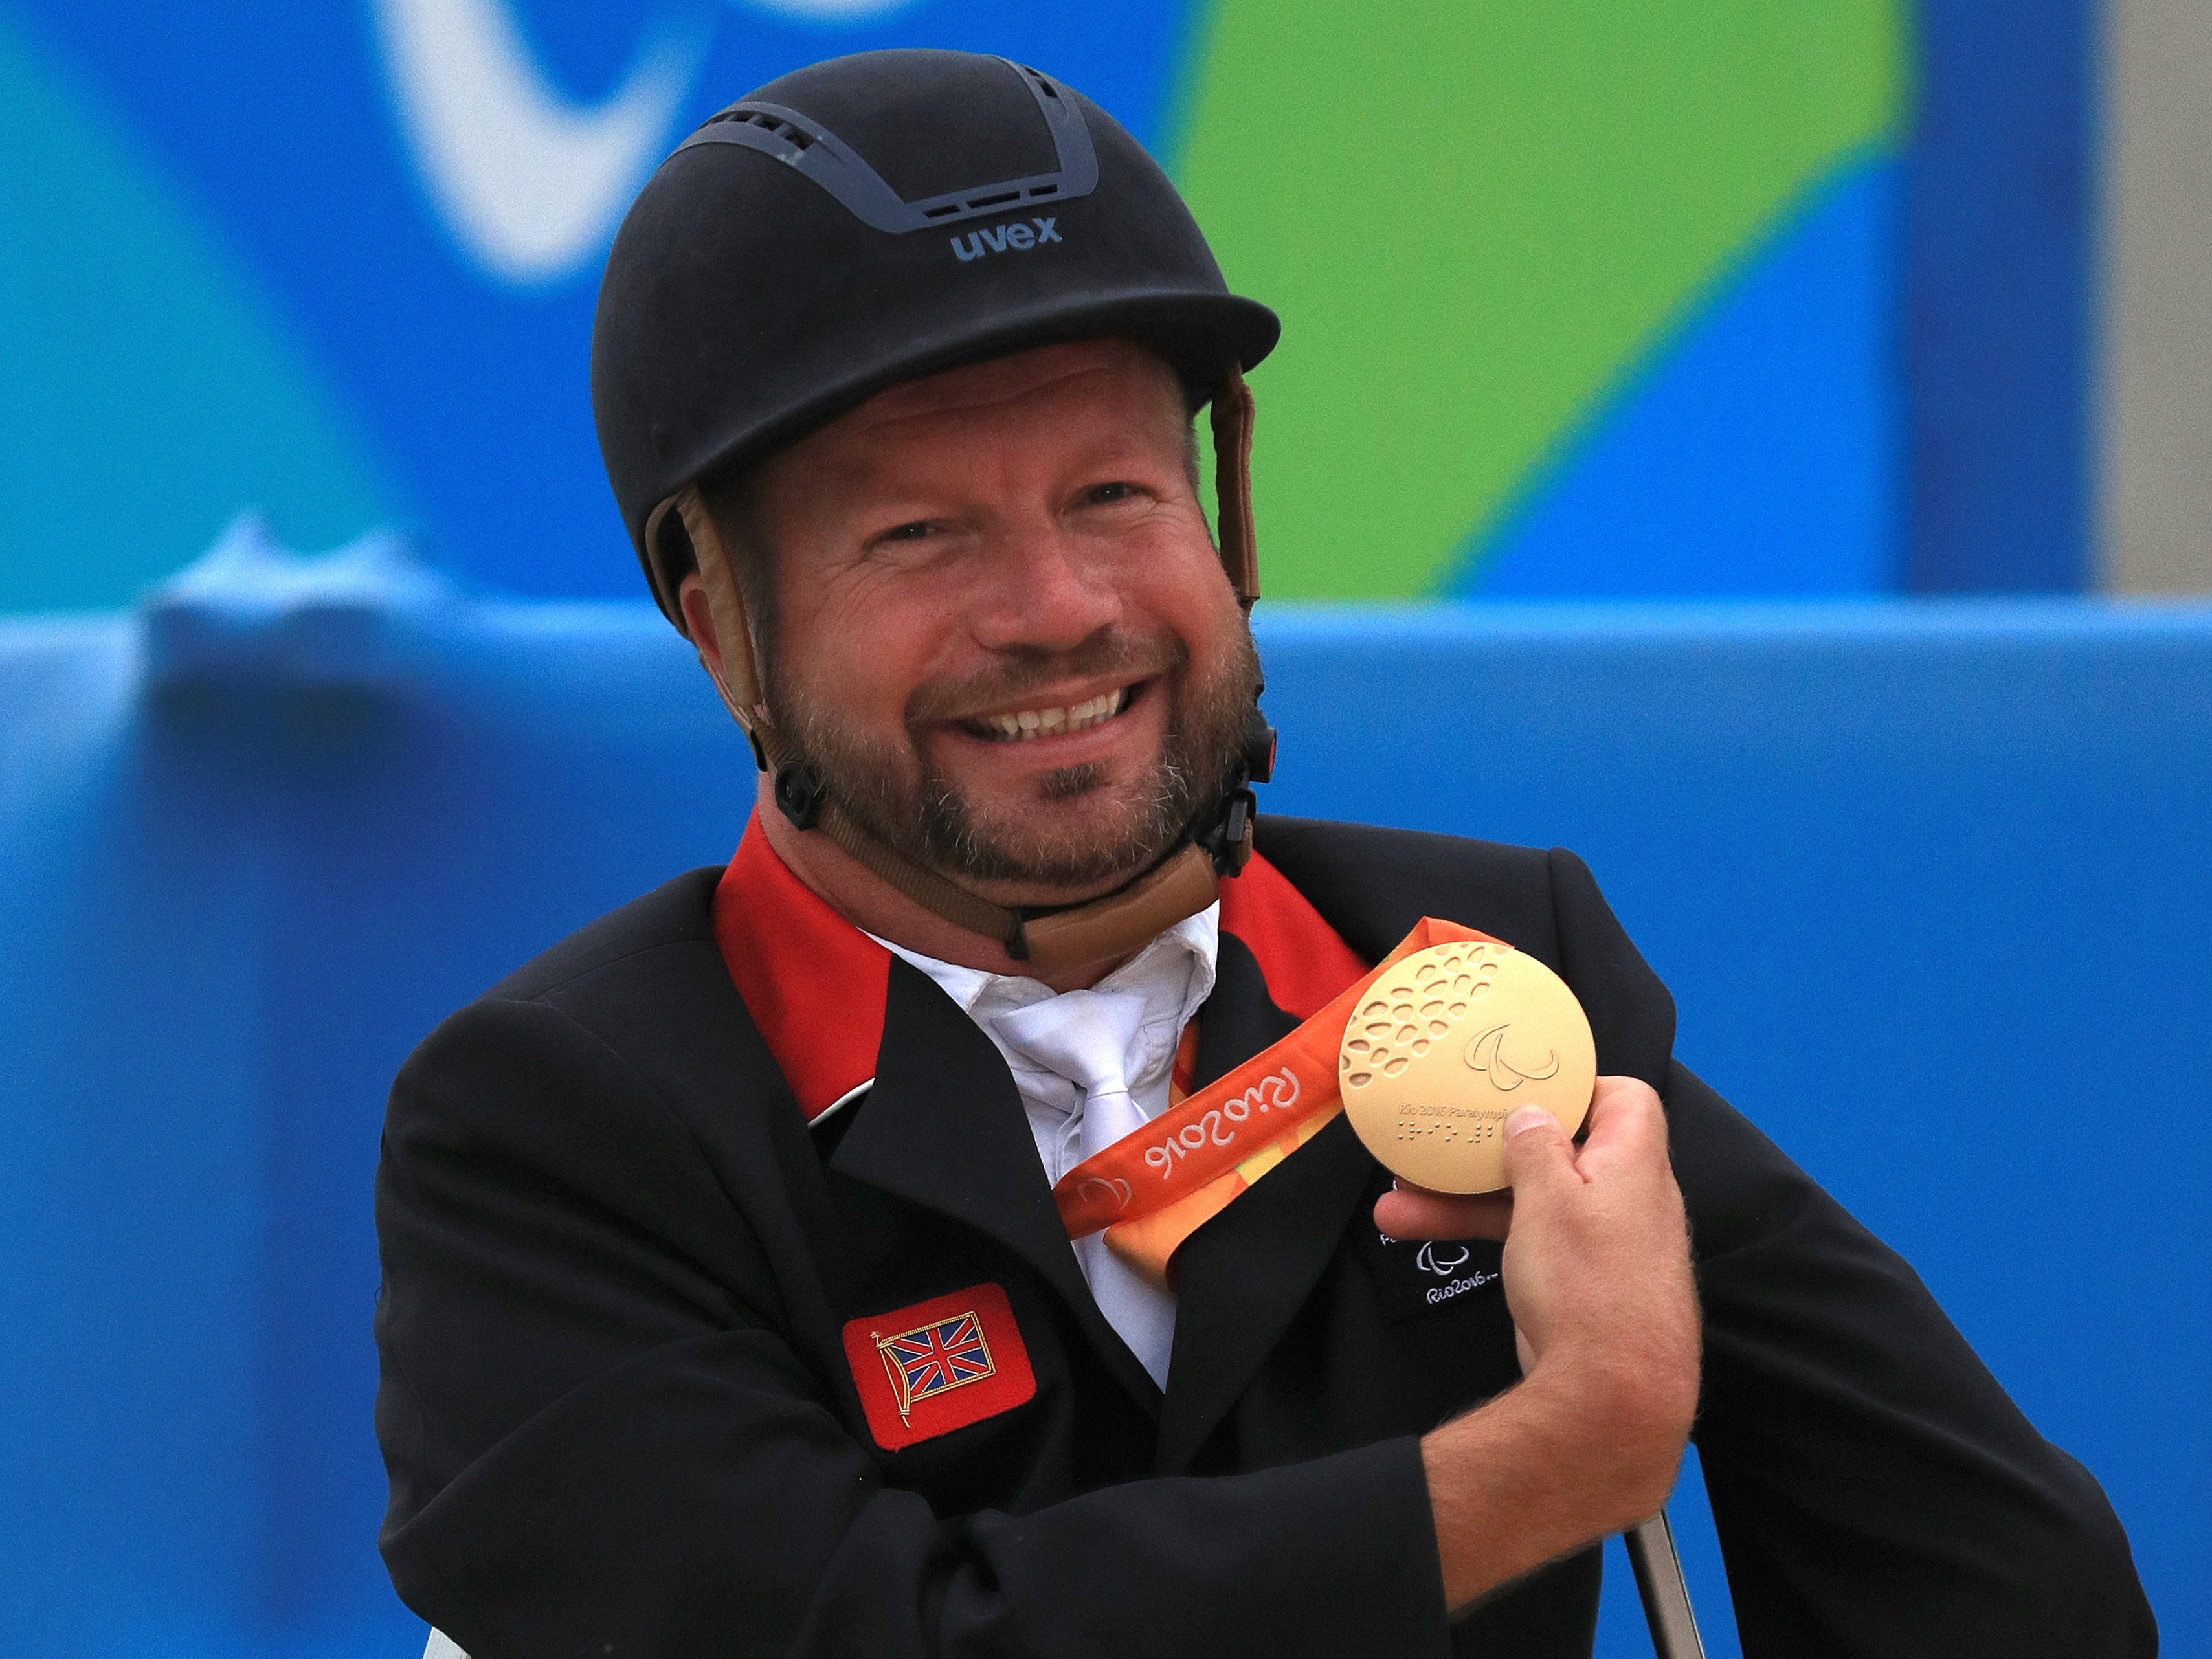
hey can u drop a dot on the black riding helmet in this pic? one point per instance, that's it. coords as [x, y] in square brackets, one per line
[864, 221]
[867, 220]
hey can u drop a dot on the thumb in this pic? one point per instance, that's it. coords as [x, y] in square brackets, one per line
[1539, 1158]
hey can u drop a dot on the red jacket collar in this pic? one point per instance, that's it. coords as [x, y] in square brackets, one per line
[815, 984]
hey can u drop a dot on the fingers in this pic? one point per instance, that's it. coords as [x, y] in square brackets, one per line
[1539, 1159]
[1626, 1123]
[1410, 1212]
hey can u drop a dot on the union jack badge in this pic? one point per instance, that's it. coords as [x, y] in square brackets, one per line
[938, 1365]
[931, 1359]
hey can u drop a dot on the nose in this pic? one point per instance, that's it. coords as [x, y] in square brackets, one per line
[1043, 593]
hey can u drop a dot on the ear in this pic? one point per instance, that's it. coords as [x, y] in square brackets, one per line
[699, 622]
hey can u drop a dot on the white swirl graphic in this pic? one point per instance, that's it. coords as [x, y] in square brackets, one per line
[528, 183]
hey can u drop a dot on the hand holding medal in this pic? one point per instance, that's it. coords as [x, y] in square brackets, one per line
[1445, 1045]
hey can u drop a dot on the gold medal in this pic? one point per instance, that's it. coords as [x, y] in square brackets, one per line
[1450, 1042]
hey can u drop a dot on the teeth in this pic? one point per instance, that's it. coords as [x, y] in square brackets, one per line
[1041, 722]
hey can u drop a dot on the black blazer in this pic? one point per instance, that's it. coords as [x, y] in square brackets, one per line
[619, 1419]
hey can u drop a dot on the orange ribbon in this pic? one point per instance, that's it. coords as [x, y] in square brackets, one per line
[1151, 1189]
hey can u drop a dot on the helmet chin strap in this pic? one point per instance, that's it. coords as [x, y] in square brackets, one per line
[1057, 941]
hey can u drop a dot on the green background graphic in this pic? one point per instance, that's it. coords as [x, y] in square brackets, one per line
[1478, 220]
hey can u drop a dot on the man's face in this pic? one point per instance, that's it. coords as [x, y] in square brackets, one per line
[1001, 631]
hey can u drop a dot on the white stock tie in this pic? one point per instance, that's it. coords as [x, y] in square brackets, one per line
[1085, 1036]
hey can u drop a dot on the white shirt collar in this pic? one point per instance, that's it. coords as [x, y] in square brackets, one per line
[1174, 974]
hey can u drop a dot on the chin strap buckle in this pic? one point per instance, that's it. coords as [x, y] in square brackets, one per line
[798, 792]
[1227, 842]
[1227, 839]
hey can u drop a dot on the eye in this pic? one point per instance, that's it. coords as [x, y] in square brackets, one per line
[919, 530]
[1105, 495]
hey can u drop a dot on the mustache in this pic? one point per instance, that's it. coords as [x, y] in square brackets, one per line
[1109, 652]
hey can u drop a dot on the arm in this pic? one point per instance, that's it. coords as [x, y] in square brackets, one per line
[1597, 1273]
[603, 1436]
[1875, 1491]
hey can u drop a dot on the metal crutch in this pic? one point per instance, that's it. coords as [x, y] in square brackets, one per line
[1659, 1580]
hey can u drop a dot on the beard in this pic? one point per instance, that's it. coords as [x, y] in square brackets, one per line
[890, 787]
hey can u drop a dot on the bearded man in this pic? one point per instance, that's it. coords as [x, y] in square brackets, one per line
[743, 1290]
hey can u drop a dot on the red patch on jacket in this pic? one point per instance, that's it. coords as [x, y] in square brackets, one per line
[938, 1365]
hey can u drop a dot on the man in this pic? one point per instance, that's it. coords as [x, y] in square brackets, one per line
[727, 1303]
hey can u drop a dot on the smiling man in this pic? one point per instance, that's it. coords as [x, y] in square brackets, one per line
[777, 1267]
[1023, 662]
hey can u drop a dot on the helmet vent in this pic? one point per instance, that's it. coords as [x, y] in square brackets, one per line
[840, 169]
[775, 124]
[967, 206]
